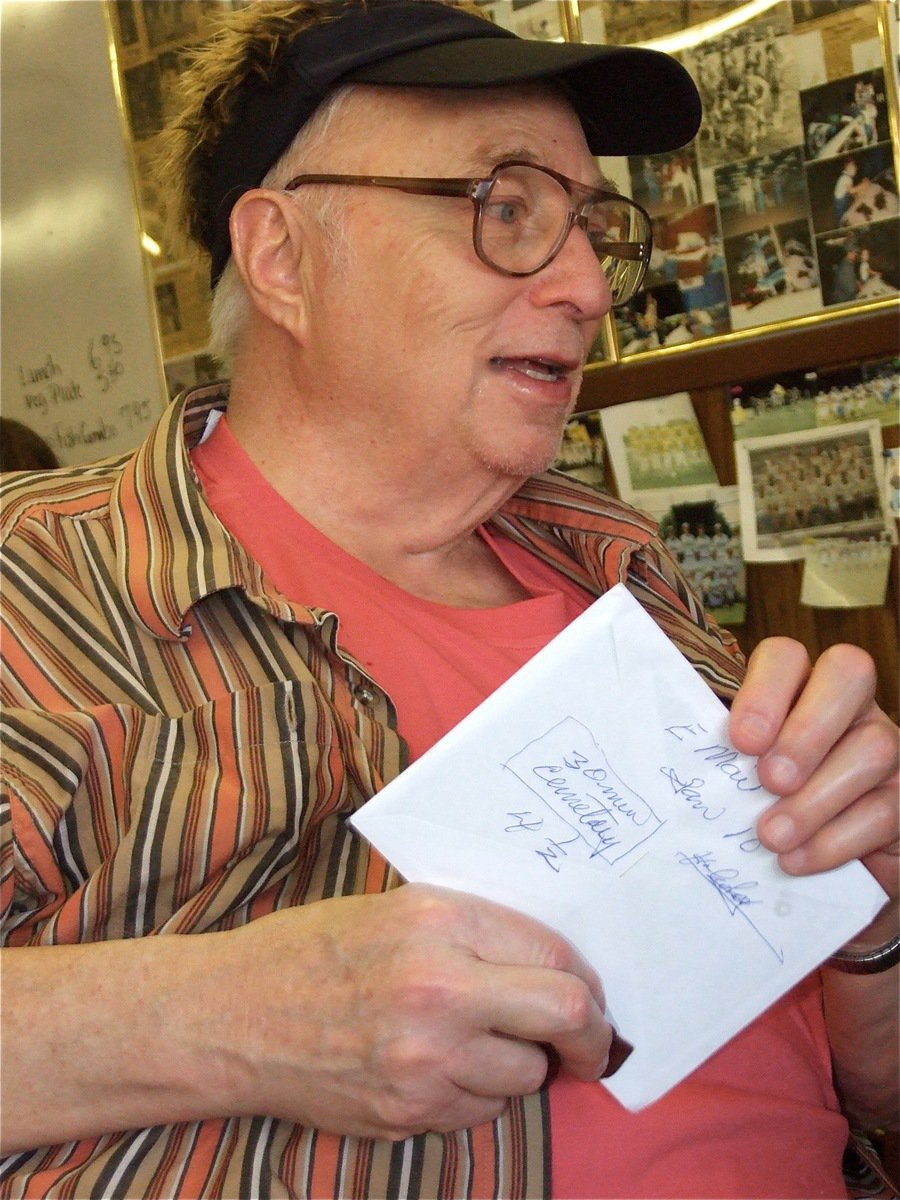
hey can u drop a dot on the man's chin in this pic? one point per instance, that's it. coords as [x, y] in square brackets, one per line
[521, 463]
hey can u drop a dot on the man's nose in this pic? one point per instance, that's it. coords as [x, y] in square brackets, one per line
[575, 276]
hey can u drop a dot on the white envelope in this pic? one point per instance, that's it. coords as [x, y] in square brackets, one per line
[596, 790]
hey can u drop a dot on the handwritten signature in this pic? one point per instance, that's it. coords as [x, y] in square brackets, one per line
[731, 890]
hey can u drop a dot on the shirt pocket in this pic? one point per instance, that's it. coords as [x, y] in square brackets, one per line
[126, 823]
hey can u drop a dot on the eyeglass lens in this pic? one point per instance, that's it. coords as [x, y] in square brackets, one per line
[525, 218]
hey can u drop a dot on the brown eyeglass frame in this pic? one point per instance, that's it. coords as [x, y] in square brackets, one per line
[478, 190]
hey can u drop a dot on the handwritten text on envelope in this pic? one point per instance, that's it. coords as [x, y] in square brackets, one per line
[597, 791]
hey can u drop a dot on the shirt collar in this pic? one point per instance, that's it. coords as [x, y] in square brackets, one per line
[557, 500]
[171, 548]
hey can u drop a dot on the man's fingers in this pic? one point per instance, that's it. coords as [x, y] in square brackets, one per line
[552, 1008]
[515, 977]
[461, 1109]
[862, 762]
[495, 1066]
[502, 935]
[792, 716]
[776, 671]
[860, 829]
[490, 931]
[827, 751]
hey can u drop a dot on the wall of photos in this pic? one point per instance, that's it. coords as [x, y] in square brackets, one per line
[786, 203]
[731, 298]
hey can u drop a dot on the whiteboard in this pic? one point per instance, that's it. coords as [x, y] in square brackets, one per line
[81, 360]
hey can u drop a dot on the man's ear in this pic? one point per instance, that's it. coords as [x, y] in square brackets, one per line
[267, 244]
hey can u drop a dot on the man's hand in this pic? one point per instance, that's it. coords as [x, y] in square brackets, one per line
[380, 1016]
[422, 1009]
[831, 756]
[829, 752]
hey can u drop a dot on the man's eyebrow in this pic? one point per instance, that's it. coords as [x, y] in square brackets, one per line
[488, 158]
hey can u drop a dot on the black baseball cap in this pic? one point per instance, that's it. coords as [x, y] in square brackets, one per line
[630, 100]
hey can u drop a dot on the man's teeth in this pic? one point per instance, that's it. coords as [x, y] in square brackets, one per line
[534, 368]
[548, 372]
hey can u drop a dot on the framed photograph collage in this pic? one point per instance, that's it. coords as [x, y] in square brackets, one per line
[785, 206]
[786, 203]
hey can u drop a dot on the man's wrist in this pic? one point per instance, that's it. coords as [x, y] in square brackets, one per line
[867, 960]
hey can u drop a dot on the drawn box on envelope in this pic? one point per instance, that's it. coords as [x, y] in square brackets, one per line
[596, 791]
[604, 816]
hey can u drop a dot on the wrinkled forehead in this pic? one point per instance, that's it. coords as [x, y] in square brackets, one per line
[426, 130]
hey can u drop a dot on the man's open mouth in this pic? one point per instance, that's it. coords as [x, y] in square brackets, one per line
[542, 369]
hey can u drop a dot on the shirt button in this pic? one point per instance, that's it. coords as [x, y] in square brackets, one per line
[363, 694]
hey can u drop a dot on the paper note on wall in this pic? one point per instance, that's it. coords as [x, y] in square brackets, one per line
[844, 574]
[597, 791]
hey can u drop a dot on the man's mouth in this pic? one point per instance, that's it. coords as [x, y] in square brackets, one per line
[544, 370]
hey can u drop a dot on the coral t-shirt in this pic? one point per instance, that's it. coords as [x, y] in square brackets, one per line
[759, 1118]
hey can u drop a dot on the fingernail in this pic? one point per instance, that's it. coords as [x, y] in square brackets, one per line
[795, 861]
[782, 772]
[618, 1053]
[756, 726]
[780, 832]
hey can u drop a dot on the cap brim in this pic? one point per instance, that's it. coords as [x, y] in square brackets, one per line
[629, 100]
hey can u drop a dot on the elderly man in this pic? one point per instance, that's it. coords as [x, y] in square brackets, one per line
[220, 646]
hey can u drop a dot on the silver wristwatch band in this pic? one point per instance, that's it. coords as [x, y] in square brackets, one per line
[867, 962]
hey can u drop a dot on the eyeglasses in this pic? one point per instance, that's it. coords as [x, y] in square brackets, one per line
[524, 213]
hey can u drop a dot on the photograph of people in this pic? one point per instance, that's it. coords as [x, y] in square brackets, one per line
[687, 255]
[670, 314]
[708, 548]
[761, 191]
[772, 274]
[665, 183]
[814, 483]
[853, 190]
[845, 115]
[804, 399]
[860, 264]
[685, 245]
[582, 452]
[746, 81]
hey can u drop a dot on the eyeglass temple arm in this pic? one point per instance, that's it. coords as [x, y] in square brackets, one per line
[421, 187]
[633, 251]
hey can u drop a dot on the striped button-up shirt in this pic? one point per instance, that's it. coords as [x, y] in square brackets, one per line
[182, 745]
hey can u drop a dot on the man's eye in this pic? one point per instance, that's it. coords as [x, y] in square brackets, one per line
[507, 212]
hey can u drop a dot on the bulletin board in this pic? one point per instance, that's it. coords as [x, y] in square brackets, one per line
[81, 361]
